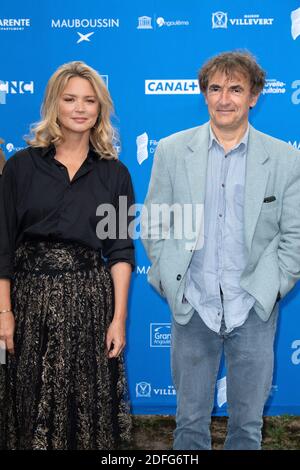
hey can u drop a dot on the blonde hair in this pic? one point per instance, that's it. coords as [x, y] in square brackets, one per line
[47, 131]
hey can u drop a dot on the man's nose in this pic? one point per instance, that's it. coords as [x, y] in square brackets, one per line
[224, 96]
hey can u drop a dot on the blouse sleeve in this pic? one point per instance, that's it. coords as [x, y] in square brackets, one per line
[121, 248]
[8, 219]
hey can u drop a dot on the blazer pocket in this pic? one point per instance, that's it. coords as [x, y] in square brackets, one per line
[267, 206]
[269, 199]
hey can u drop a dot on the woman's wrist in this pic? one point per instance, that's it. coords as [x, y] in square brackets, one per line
[119, 317]
[5, 310]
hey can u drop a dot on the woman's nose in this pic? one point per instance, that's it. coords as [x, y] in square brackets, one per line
[79, 106]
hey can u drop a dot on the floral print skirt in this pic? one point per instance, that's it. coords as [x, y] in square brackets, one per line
[59, 390]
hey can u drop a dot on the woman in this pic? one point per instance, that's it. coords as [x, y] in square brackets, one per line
[2, 158]
[62, 310]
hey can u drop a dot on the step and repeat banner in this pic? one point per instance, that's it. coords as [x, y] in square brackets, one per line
[149, 53]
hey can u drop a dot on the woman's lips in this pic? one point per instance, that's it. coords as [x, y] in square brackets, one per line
[79, 119]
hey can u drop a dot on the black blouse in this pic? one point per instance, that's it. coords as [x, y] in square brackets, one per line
[38, 200]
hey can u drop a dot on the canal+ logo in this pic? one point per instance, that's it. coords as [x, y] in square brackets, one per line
[172, 87]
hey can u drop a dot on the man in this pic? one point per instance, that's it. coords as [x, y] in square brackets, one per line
[224, 296]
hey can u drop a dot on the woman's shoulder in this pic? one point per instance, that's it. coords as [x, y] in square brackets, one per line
[22, 155]
[115, 168]
[23, 159]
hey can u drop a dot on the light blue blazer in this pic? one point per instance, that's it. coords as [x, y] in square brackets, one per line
[271, 229]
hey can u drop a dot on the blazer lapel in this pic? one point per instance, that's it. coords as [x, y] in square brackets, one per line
[257, 175]
[196, 164]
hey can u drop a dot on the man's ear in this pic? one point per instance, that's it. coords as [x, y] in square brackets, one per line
[253, 100]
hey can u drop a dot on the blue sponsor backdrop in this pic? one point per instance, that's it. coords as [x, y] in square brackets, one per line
[150, 52]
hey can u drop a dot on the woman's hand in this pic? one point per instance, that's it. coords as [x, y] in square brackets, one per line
[7, 329]
[115, 338]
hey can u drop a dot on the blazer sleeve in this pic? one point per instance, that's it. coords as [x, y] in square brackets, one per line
[289, 244]
[8, 219]
[153, 231]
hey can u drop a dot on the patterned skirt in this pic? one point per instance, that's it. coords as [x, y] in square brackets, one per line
[59, 390]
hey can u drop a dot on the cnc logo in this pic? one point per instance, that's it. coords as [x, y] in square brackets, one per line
[14, 87]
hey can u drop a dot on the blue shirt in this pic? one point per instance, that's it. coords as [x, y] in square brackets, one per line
[221, 261]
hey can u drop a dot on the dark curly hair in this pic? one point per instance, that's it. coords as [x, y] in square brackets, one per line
[229, 63]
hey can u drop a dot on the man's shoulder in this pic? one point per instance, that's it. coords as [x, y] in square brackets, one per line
[183, 137]
[276, 147]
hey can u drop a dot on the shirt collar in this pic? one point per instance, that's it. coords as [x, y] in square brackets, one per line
[243, 143]
[50, 152]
